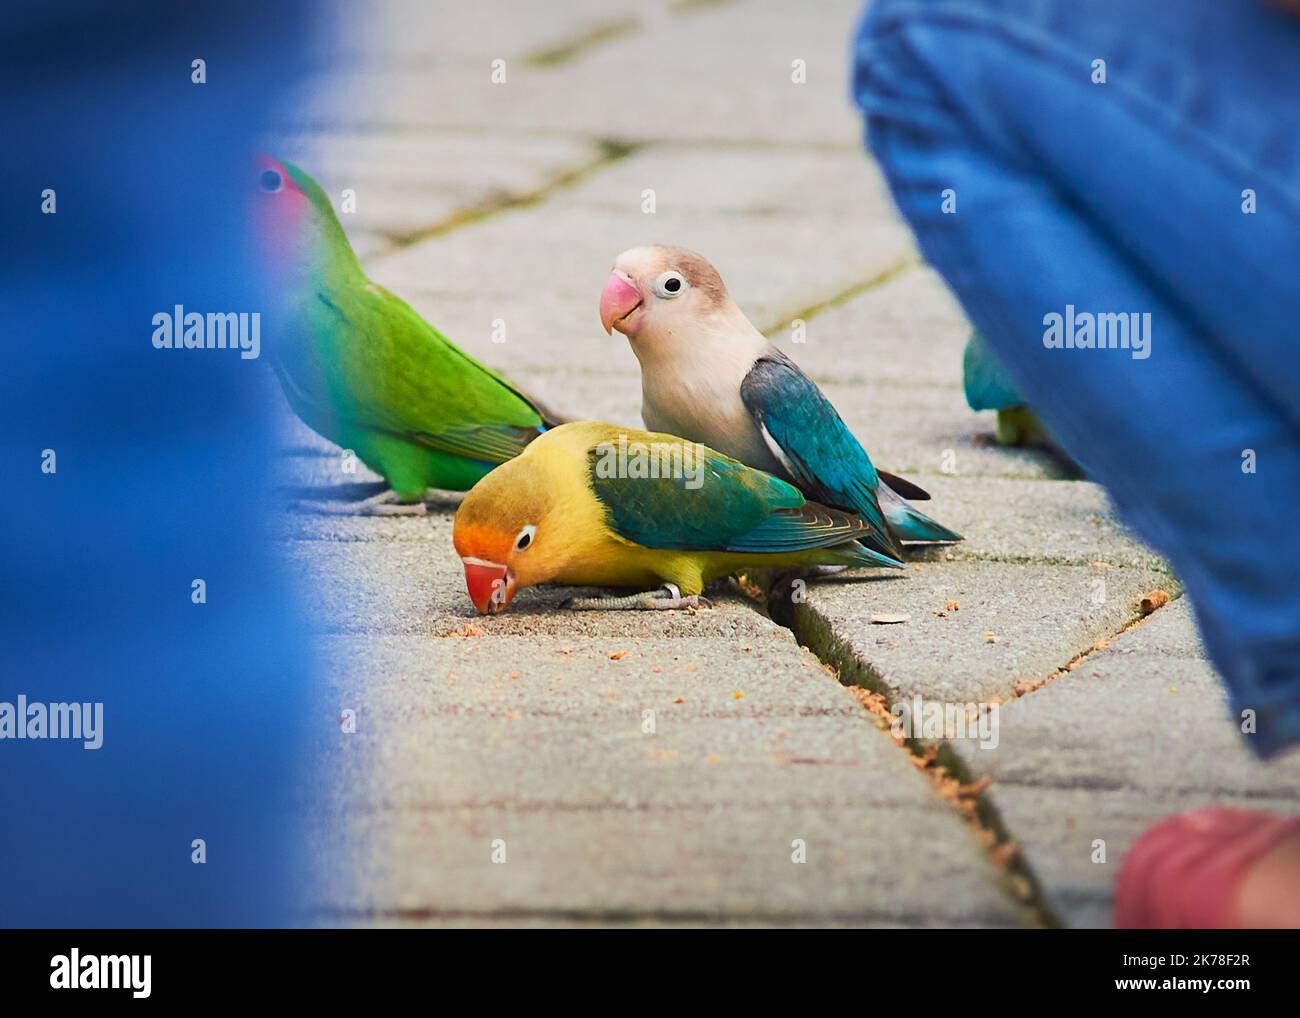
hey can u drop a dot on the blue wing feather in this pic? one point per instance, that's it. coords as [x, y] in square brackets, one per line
[827, 462]
[987, 385]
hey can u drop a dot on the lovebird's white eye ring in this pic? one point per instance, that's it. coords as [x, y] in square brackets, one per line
[271, 181]
[525, 539]
[671, 284]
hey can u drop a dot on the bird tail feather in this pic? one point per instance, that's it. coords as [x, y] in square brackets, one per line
[908, 523]
[859, 554]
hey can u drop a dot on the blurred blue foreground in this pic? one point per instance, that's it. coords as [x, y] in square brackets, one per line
[131, 472]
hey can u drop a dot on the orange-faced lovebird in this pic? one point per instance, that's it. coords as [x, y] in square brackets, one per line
[362, 369]
[591, 504]
[708, 375]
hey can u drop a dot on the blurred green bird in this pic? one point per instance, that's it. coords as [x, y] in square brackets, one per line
[364, 370]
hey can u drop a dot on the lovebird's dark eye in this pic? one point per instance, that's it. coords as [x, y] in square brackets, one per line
[525, 537]
[271, 181]
[670, 284]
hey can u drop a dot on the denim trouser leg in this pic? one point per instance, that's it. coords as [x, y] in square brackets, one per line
[1127, 196]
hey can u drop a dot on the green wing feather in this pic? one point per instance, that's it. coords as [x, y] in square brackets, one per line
[369, 360]
[726, 506]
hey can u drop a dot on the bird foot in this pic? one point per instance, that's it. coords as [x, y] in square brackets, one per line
[1019, 426]
[386, 503]
[666, 598]
[788, 582]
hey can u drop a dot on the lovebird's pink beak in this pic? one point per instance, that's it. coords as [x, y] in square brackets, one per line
[618, 300]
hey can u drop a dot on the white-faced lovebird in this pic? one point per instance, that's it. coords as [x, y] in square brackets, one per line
[708, 375]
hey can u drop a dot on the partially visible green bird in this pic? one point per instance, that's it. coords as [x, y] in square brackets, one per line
[989, 387]
[364, 370]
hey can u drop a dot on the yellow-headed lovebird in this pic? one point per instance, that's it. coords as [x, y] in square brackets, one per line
[362, 369]
[591, 504]
[708, 375]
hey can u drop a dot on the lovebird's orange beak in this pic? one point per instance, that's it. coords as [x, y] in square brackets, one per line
[490, 585]
[618, 300]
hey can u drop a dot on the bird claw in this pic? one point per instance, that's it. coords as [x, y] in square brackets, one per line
[666, 598]
[383, 504]
[690, 602]
[396, 509]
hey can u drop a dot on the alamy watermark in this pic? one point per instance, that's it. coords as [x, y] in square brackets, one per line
[934, 719]
[75, 971]
[642, 460]
[23, 720]
[1084, 330]
[179, 329]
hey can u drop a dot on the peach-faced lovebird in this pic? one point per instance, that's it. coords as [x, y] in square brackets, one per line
[361, 368]
[708, 375]
[591, 504]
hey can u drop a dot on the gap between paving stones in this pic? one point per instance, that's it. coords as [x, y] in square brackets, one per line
[887, 275]
[611, 152]
[562, 53]
[987, 814]
[950, 775]
[945, 771]
[607, 31]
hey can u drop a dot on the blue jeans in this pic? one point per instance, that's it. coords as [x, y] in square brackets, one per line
[1128, 195]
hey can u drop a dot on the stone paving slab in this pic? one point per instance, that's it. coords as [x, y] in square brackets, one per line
[1159, 722]
[740, 181]
[466, 740]
[1137, 732]
[865, 864]
[413, 33]
[737, 59]
[548, 253]
[908, 333]
[539, 270]
[693, 768]
[407, 183]
[1039, 617]
[545, 709]
[1017, 520]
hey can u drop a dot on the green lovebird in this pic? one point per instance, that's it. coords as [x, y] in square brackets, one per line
[363, 370]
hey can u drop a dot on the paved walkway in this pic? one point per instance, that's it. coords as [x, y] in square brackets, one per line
[709, 767]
